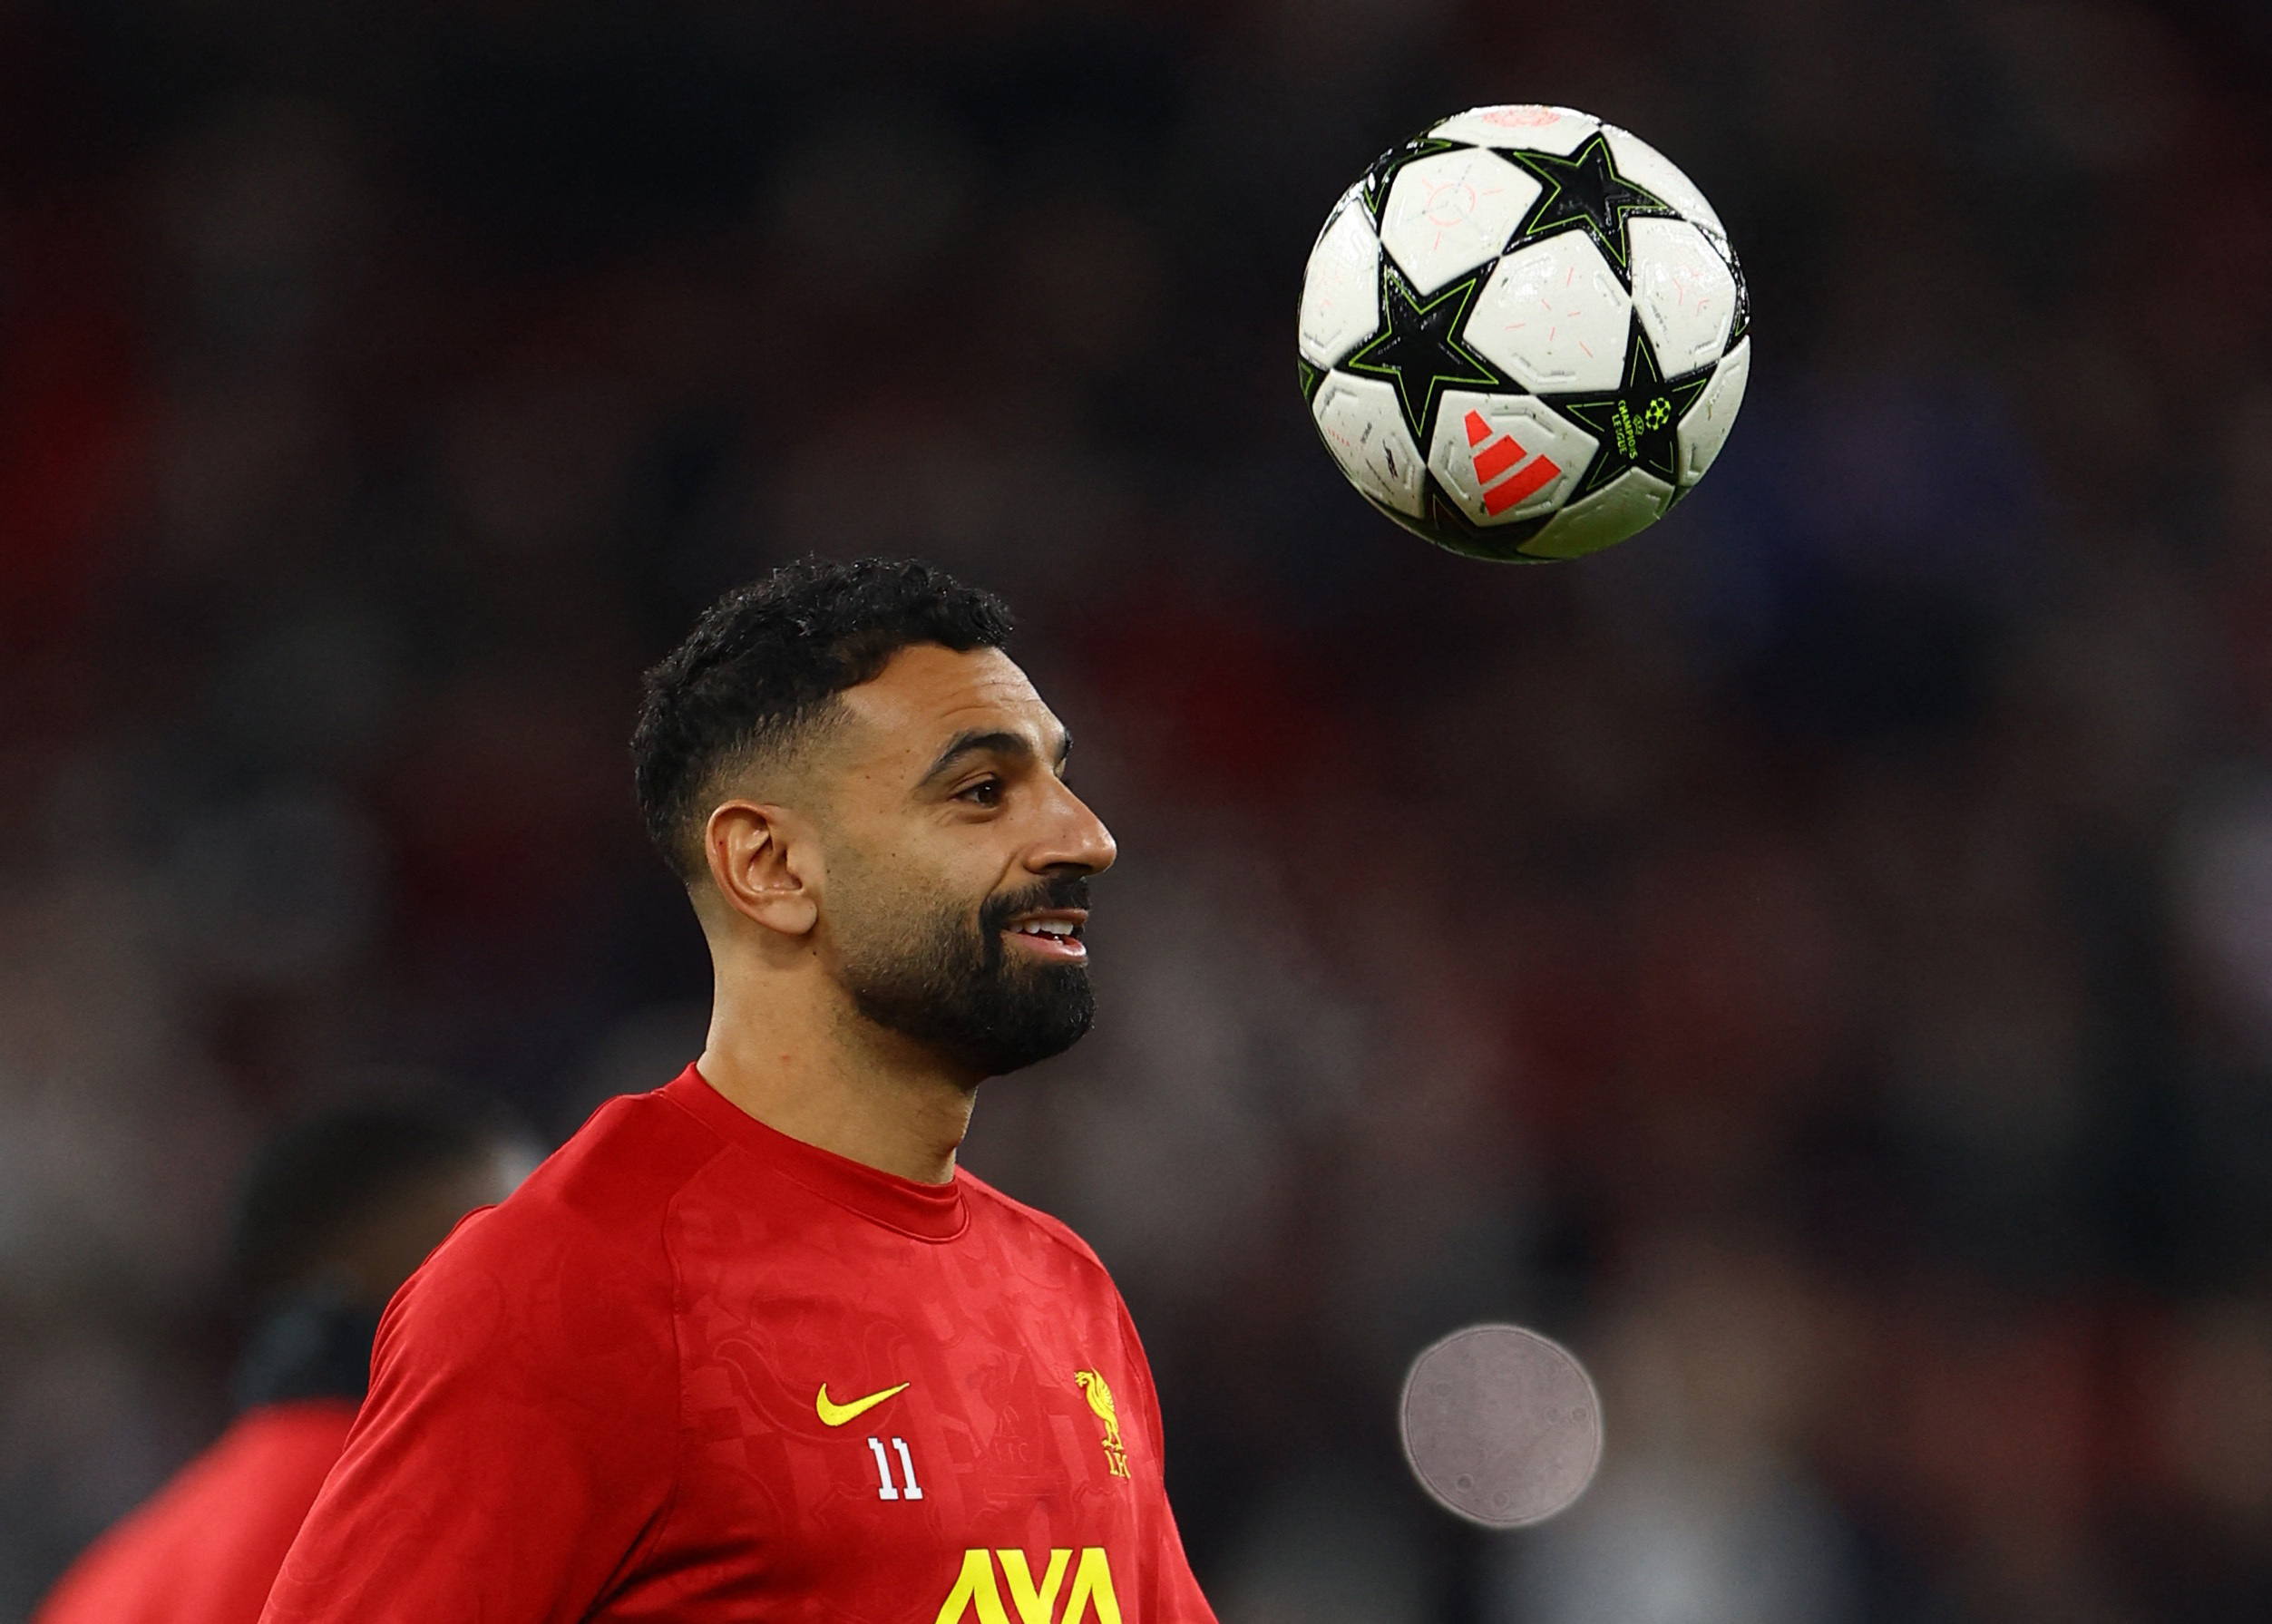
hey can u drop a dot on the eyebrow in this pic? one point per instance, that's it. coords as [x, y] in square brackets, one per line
[995, 742]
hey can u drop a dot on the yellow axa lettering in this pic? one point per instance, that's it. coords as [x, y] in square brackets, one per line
[974, 1592]
[977, 1597]
[1034, 1604]
[1092, 1583]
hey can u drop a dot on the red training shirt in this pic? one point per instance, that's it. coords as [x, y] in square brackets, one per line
[206, 1548]
[694, 1369]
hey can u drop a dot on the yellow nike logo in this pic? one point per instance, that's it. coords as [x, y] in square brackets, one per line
[836, 1415]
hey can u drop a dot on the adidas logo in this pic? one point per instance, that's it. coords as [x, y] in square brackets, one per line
[1493, 459]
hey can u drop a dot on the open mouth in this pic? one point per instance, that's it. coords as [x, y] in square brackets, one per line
[1052, 935]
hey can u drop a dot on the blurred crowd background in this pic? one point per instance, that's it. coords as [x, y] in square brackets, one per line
[1815, 959]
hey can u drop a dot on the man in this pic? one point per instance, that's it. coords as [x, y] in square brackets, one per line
[335, 1212]
[752, 1346]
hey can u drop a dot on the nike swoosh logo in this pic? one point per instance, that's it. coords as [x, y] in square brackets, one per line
[836, 1415]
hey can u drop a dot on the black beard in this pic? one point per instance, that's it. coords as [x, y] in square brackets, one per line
[956, 991]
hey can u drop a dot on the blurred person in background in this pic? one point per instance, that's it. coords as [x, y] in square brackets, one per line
[335, 1212]
[751, 1344]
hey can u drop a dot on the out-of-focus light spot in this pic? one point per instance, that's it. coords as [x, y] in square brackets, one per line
[1501, 1427]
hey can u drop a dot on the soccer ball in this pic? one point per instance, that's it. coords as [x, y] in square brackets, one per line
[1524, 334]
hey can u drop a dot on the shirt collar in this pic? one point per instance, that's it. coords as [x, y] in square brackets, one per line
[926, 1211]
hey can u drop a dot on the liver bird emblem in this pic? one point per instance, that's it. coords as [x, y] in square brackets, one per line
[1099, 1396]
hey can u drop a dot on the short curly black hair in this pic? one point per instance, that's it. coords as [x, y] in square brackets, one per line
[763, 663]
[324, 1173]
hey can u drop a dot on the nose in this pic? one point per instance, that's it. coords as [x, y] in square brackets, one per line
[1077, 837]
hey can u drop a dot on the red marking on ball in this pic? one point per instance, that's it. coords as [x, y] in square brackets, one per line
[1496, 458]
[1525, 116]
[1523, 485]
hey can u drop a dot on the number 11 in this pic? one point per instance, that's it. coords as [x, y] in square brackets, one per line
[885, 1491]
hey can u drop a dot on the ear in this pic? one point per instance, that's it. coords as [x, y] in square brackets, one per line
[765, 865]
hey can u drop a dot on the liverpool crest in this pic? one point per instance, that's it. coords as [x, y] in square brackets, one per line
[1099, 1396]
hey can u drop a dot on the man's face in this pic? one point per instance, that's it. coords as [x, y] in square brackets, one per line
[958, 861]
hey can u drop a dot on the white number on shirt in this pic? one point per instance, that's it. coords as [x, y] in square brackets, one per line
[885, 1489]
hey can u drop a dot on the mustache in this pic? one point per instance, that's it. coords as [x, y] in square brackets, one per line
[1070, 890]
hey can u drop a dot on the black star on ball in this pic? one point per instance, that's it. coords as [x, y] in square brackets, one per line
[1585, 190]
[1639, 425]
[1419, 349]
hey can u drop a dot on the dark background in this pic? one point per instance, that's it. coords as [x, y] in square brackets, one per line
[1816, 959]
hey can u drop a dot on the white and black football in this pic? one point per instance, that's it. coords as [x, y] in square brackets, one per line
[1524, 334]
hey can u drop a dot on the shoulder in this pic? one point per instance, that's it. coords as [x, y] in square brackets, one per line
[582, 1242]
[622, 1168]
[1035, 1227]
[206, 1546]
[613, 1182]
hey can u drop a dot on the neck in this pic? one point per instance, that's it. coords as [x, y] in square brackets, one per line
[831, 1079]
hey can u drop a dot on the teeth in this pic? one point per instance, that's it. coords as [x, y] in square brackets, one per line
[1046, 927]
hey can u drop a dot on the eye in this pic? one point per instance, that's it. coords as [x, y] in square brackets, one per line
[987, 792]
